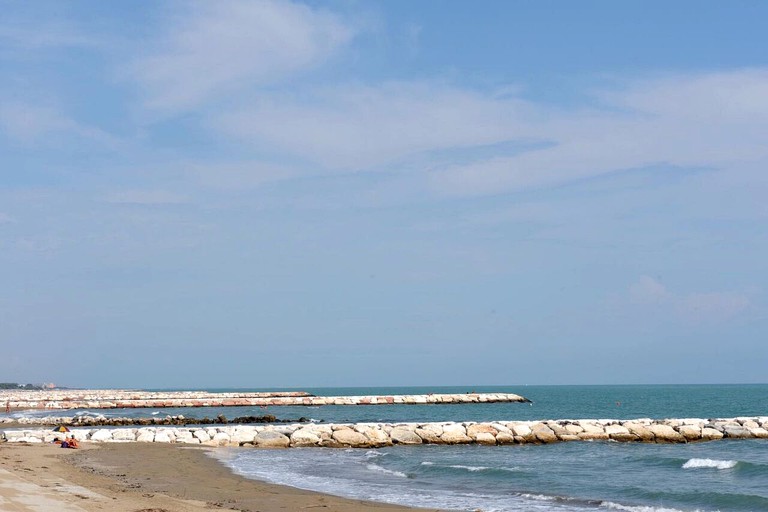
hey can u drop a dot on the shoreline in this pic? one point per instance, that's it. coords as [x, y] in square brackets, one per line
[148, 476]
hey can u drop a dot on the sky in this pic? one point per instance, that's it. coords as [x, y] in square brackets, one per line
[348, 193]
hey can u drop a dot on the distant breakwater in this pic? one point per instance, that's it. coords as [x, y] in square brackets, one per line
[119, 399]
[377, 435]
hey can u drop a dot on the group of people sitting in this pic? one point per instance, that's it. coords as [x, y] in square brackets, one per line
[67, 443]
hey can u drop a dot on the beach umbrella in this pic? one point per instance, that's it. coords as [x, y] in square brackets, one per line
[61, 428]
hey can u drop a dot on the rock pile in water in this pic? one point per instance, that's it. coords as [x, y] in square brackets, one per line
[376, 435]
[116, 399]
[104, 421]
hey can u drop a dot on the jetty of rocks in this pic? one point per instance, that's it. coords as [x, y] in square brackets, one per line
[376, 435]
[119, 399]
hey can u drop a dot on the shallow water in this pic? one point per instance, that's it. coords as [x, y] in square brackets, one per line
[578, 476]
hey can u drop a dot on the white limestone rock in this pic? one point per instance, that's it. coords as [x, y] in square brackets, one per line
[124, 434]
[402, 435]
[305, 437]
[145, 435]
[221, 439]
[543, 433]
[162, 436]
[666, 434]
[271, 439]
[455, 433]
[101, 435]
[349, 437]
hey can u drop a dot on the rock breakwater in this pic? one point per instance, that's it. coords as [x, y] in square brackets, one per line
[120, 399]
[376, 435]
[103, 421]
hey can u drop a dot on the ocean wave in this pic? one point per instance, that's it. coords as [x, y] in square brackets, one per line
[638, 508]
[709, 463]
[472, 469]
[376, 467]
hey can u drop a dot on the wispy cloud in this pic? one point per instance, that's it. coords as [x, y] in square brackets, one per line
[27, 35]
[231, 45]
[696, 306]
[27, 123]
[707, 120]
[360, 127]
[145, 197]
[697, 120]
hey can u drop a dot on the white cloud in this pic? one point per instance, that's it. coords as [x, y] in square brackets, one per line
[715, 120]
[697, 307]
[40, 35]
[359, 127]
[239, 175]
[6, 219]
[28, 123]
[705, 120]
[145, 197]
[229, 45]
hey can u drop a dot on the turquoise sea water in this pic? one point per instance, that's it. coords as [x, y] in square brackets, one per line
[577, 476]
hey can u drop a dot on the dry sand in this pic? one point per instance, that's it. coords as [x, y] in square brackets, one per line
[138, 477]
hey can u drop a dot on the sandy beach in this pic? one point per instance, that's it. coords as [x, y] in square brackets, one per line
[138, 477]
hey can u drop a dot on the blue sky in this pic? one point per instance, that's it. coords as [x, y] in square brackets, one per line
[383, 193]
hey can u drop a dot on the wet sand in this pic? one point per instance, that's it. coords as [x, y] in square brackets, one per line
[139, 477]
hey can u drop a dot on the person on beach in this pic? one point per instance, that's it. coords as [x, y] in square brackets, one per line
[73, 442]
[7, 407]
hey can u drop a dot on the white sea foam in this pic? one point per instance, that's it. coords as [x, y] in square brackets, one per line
[427, 463]
[638, 508]
[376, 467]
[470, 468]
[709, 463]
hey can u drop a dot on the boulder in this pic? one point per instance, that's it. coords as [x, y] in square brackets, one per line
[641, 431]
[124, 434]
[220, 439]
[736, 432]
[271, 439]
[162, 436]
[144, 435]
[690, 432]
[543, 433]
[243, 435]
[505, 438]
[428, 436]
[485, 438]
[666, 434]
[304, 437]
[523, 432]
[454, 433]
[480, 428]
[101, 435]
[185, 436]
[377, 437]
[711, 434]
[620, 433]
[349, 437]
[404, 436]
[201, 435]
[573, 429]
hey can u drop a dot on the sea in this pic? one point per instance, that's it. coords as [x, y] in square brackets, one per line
[727, 475]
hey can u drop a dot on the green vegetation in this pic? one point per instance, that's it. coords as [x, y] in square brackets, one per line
[14, 385]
